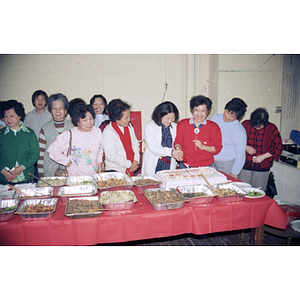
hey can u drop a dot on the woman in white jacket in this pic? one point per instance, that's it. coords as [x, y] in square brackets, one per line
[119, 141]
[159, 136]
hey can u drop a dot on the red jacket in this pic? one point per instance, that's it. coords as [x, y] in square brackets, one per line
[209, 135]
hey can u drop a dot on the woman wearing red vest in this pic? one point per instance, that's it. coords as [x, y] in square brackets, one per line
[119, 141]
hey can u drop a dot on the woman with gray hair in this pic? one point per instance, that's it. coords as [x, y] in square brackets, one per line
[58, 106]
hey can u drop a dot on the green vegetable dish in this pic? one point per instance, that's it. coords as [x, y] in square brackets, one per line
[254, 194]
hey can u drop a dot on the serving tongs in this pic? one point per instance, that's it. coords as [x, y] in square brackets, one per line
[210, 186]
[19, 191]
[39, 179]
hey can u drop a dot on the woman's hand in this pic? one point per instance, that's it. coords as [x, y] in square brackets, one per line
[8, 175]
[258, 159]
[250, 150]
[199, 144]
[134, 166]
[17, 170]
[177, 154]
[69, 163]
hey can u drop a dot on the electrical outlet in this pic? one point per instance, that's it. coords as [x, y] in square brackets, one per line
[277, 109]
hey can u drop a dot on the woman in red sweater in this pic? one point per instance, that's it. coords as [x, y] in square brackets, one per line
[198, 138]
[264, 144]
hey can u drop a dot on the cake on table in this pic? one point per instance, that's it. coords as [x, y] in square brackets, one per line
[183, 177]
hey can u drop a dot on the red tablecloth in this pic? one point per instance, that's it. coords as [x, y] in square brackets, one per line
[142, 222]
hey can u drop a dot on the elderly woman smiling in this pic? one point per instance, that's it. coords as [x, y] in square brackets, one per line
[86, 150]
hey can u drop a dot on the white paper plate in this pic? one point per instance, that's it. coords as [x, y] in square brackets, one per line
[241, 184]
[251, 189]
[296, 225]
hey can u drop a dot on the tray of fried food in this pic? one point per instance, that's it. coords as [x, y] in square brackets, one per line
[67, 191]
[228, 192]
[142, 182]
[118, 200]
[35, 192]
[196, 194]
[164, 198]
[37, 209]
[7, 209]
[83, 207]
[80, 180]
[113, 181]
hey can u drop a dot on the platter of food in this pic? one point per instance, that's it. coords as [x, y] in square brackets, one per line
[7, 209]
[64, 192]
[118, 200]
[228, 192]
[52, 181]
[253, 192]
[164, 198]
[296, 225]
[83, 207]
[145, 182]
[113, 181]
[196, 194]
[80, 180]
[37, 209]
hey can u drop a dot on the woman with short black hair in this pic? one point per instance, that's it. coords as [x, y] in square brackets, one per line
[120, 144]
[160, 133]
[19, 148]
[264, 144]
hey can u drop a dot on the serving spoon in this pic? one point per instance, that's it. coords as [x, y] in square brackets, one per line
[39, 179]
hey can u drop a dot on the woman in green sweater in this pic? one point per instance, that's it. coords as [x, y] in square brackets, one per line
[19, 147]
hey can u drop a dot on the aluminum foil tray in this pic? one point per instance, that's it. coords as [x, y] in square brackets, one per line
[7, 209]
[83, 207]
[105, 181]
[53, 181]
[38, 216]
[80, 180]
[67, 191]
[7, 194]
[37, 192]
[168, 205]
[193, 189]
[141, 187]
[229, 198]
[118, 200]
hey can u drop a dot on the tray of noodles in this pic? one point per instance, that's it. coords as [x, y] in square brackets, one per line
[113, 181]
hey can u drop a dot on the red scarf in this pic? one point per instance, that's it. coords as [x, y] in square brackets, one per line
[126, 142]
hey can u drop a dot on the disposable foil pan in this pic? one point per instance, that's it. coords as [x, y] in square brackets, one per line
[115, 200]
[67, 191]
[39, 216]
[7, 209]
[103, 179]
[169, 205]
[193, 189]
[231, 186]
[95, 208]
[37, 192]
[80, 180]
[142, 187]
[7, 194]
[53, 181]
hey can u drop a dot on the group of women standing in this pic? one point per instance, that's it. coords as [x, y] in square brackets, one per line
[245, 151]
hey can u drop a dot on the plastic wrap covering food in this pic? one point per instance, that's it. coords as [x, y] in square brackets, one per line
[7, 209]
[52, 181]
[7, 194]
[113, 181]
[37, 209]
[80, 180]
[228, 192]
[68, 191]
[37, 192]
[196, 194]
[83, 207]
[118, 200]
[164, 198]
[292, 212]
[146, 182]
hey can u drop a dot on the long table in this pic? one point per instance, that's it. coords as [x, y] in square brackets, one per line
[143, 222]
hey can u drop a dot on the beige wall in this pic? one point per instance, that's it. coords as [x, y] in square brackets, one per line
[140, 79]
